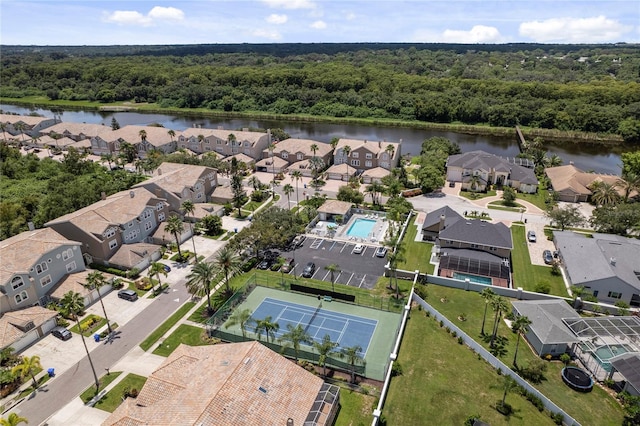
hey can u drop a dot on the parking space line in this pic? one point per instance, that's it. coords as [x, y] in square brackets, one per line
[344, 247]
[349, 280]
[332, 245]
[325, 276]
[316, 243]
[362, 282]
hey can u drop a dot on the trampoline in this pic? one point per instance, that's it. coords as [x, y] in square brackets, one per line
[577, 379]
[347, 330]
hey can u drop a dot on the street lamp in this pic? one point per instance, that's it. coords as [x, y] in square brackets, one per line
[522, 209]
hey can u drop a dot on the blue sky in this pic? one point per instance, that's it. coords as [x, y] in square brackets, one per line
[26, 22]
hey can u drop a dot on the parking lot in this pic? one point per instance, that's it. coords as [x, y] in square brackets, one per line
[357, 270]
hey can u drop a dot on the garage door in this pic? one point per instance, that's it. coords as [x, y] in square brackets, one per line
[26, 340]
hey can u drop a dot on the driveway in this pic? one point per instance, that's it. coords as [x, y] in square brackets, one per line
[541, 244]
[358, 270]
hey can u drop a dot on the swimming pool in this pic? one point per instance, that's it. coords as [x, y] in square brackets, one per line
[473, 278]
[604, 353]
[361, 228]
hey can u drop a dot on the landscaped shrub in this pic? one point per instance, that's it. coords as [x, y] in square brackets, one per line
[61, 322]
[460, 340]
[396, 369]
[454, 334]
[543, 287]
[421, 290]
[441, 323]
[557, 418]
[534, 372]
[555, 268]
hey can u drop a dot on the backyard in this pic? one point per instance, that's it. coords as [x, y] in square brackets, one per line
[416, 253]
[593, 408]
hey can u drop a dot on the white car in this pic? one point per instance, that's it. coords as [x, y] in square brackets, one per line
[358, 249]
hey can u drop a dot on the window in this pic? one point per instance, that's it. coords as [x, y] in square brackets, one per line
[474, 246]
[384, 164]
[129, 225]
[148, 226]
[41, 267]
[45, 281]
[113, 244]
[17, 282]
[220, 149]
[355, 154]
[199, 195]
[218, 142]
[146, 214]
[66, 254]
[368, 163]
[284, 154]
[355, 163]
[161, 216]
[21, 297]
[247, 144]
[109, 233]
[159, 206]
[369, 155]
[614, 295]
[207, 141]
[300, 156]
[385, 155]
[70, 266]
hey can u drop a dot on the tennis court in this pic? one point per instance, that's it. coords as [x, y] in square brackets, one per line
[347, 330]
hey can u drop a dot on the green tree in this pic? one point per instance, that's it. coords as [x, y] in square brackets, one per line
[199, 281]
[294, 337]
[508, 196]
[520, 326]
[507, 385]
[604, 194]
[28, 367]
[500, 306]
[238, 192]
[619, 219]
[175, 227]
[325, 349]
[623, 308]
[487, 294]
[353, 355]
[211, 225]
[348, 194]
[95, 281]
[374, 189]
[565, 217]
[297, 175]
[269, 327]
[333, 269]
[240, 317]
[630, 163]
[73, 303]
[288, 190]
[629, 183]
[189, 209]
[13, 420]
[228, 261]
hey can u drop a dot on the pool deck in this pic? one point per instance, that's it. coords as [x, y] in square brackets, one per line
[339, 232]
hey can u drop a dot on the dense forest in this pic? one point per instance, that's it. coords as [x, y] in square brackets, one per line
[579, 88]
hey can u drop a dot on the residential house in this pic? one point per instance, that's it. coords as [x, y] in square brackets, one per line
[374, 175]
[115, 230]
[19, 329]
[548, 333]
[608, 266]
[143, 139]
[224, 194]
[76, 282]
[478, 169]
[437, 220]
[574, 185]
[330, 209]
[24, 126]
[341, 172]
[628, 364]
[177, 183]
[364, 155]
[294, 150]
[272, 165]
[33, 263]
[230, 384]
[76, 131]
[225, 142]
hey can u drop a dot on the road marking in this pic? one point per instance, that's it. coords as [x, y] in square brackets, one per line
[344, 247]
[362, 282]
[316, 243]
[176, 300]
[332, 245]
[349, 280]
[325, 276]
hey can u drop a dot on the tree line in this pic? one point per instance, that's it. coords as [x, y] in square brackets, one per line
[578, 88]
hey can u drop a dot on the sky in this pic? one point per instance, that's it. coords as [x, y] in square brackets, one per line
[29, 22]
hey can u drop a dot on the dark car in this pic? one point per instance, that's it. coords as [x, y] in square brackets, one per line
[381, 251]
[265, 264]
[166, 268]
[309, 270]
[298, 241]
[287, 266]
[547, 256]
[61, 333]
[452, 184]
[129, 295]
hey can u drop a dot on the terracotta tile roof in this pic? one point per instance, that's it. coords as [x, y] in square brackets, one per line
[375, 147]
[293, 146]
[570, 178]
[267, 162]
[9, 322]
[377, 172]
[88, 129]
[29, 120]
[156, 136]
[129, 255]
[225, 384]
[223, 134]
[20, 252]
[335, 207]
[342, 169]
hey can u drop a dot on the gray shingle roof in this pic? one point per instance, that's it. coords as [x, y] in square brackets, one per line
[450, 215]
[629, 366]
[481, 160]
[546, 319]
[479, 232]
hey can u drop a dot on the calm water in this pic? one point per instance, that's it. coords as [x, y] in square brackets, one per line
[603, 159]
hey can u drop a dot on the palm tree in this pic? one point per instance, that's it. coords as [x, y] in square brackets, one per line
[314, 148]
[507, 384]
[28, 368]
[391, 150]
[189, 208]
[172, 134]
[229, 262]
[176, 228]
[334, 142]
[271, 147]
[500, 306]
[95, 281]
[199, 281]
[297, 175]
[333, 268]
[520, 326]
[156, 268]
[325, 349]
[288, 190]
[316, 164]
[604, 194]
[374, 189]
[143, 135]
[628, 183]
[487, 294]
[13, 420]
[254, 182]
[395, 257]
[73, 303]
[346, 150]
[21, 127]
[353, 355]
[294, 337]
[270, 328]
[201, 142]
[242, 318]
[554, 160]
[474, 183]
[3, 128]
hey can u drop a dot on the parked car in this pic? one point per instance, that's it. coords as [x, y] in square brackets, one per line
[452, 184]
[166, 268]
[547, 256]
[531, 236]
[265, 264]
[358, 249]
[127, 294]
[381, 252]
[61, 333]
[298, 241]
[309, 270]
[287, 266]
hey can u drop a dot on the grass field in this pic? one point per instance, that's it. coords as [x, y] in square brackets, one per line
[417, 254]
[187, 334]
[104, 381]
[445, 382]
[538, 199]
[525, 274]
[593, 408]
[113, 398]
[477, 195]
[355, 408]
[165, 326]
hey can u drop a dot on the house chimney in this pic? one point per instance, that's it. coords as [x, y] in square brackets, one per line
[103, 195]
[31, 226]
[613, 261]
[442, 219]
[132, 194]
[159, 172]
[379, 144]
[365, 141]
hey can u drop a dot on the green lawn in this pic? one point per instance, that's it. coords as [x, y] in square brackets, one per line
[497, 205]
[113, 398]
[355, 408]
[477, 195]
[445, 382]
[593, 408]
[187, 334]
[538, 199]
[99, 322]
[165, 326]
[104, 381]
[417, 254]
[525, 274]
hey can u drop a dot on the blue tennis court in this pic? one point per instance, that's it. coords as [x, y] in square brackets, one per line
[347, 330]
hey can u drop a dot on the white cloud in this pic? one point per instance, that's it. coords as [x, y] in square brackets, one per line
[574, 30]
[477, 34]
[350, 16]
[128, 17]
[277, 19]
[268, 34]
[319, 25]
[290, 4]
[134, 18]
[166, 13]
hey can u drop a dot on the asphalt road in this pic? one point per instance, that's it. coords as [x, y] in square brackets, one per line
[56, 393]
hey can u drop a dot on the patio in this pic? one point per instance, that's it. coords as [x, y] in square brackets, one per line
[333, 230]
